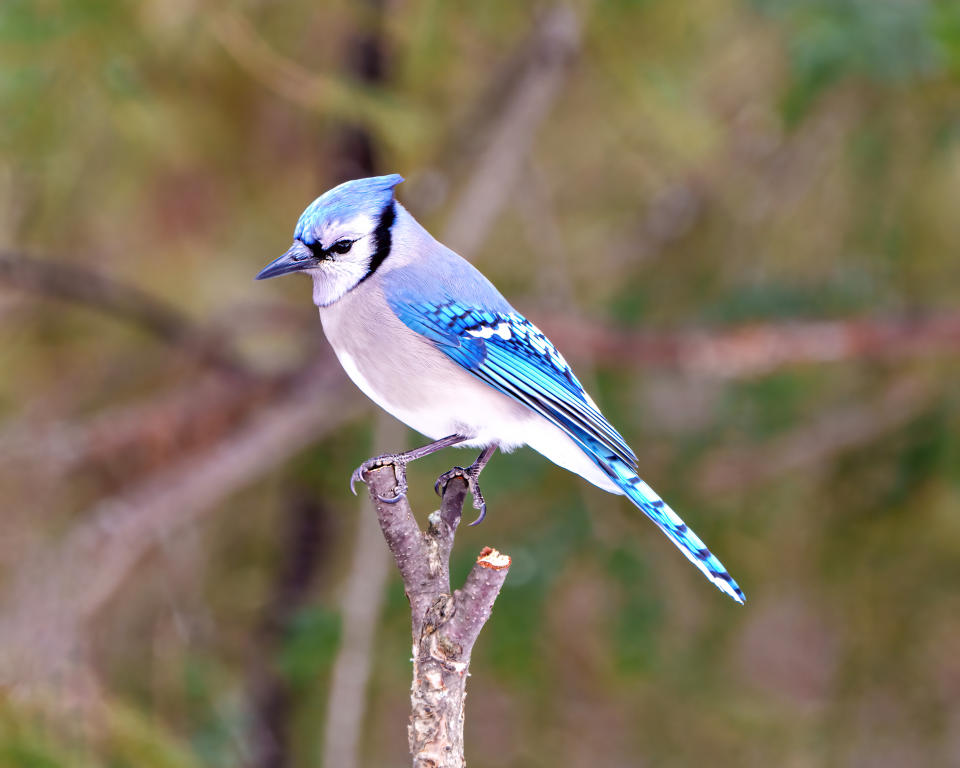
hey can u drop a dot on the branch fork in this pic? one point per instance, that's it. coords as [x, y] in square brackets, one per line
[445, 623]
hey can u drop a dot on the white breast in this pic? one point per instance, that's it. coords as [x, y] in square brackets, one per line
[408, 377]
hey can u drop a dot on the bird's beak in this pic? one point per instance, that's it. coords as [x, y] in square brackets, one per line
[297, 258]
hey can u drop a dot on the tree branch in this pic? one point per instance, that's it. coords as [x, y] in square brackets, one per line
[51, 598]
[760, 348]
[445, 626]
[551, 51]
[123, 443]
[322, 92]
[68, 282]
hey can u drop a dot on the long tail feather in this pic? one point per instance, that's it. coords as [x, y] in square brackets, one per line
[644, 497]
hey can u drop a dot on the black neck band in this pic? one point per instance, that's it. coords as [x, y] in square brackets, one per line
[382, 239]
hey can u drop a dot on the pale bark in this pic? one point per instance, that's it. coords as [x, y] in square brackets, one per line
[445, 623]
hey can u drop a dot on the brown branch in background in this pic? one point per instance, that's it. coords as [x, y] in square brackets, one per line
[68, 282]
[52, 597]
[828, 436]
[552, 49]
[759, 349]
[121, 444]
[445, 625]
[349, 100]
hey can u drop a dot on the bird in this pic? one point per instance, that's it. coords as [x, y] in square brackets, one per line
[429, 339]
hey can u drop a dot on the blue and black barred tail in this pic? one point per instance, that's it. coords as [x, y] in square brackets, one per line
[644, 497]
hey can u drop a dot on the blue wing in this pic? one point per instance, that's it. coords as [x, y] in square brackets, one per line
[509, 353]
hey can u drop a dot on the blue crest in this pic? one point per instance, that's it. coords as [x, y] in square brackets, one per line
[368, 196]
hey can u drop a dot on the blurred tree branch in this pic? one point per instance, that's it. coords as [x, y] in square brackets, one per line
[445, 625]
[550, 52]
[51, 598]
[68, 282]
[759, 348]
[333, 96]
[122, 443]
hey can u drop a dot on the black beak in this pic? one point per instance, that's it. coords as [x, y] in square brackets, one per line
[297, 258]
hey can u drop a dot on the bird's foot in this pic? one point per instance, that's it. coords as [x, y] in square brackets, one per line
[399, 463]
[471, 474]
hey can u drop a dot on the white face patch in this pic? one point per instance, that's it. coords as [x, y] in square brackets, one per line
[352, 229]
[340, 272]
[502, 330]
[336, 275]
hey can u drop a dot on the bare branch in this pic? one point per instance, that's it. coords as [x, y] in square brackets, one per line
[69, 282]
[759, 349]
[53, 596]
[551, 51]
[316, 91]
[405, 540]
[445, 626]
[124, 442]
[477, 596]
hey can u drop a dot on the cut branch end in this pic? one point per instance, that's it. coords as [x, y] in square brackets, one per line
[491, 558]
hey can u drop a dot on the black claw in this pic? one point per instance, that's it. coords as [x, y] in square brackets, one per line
[470, 475]
[354, 479]
[399, 465]
[444, 480]
[483, 514]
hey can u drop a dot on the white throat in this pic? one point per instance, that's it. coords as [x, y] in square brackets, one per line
[333, 278]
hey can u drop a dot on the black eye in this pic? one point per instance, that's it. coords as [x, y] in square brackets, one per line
[341, 246]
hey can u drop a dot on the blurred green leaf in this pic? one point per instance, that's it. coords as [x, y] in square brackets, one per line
[640, 613]
[887, 40]
[946, 26]
[310, 645]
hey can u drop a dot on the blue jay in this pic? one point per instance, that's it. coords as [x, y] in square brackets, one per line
[430, 340]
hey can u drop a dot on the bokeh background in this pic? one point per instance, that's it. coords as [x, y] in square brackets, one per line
[737, 218]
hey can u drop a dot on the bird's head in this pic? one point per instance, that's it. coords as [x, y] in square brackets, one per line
[341, 238]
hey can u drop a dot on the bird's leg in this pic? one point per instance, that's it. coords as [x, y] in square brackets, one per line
[471, 474]
[399, 462]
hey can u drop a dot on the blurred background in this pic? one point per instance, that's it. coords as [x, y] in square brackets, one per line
[738, 219]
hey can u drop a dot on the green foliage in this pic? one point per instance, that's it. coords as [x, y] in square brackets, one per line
[847, 293]
[946, 26]
[640, 614]
[887, 40]
[127, 739]
[310, 644]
